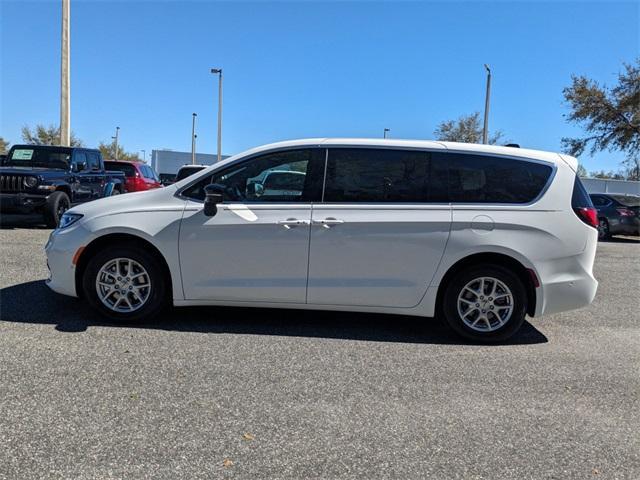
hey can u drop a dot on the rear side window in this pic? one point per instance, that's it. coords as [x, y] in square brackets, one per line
[487, 179]
[580, 198]
[128, 169]
[376, 175]
[93, 160]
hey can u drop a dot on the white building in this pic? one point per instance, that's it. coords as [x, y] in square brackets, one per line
[602, 185]
[168, 162]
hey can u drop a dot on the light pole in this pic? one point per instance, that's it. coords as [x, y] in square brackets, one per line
[485, 129]
[144, 155]
[218, 71]
[65, 79]
[115, 142]
[193, 139]
[384, 134]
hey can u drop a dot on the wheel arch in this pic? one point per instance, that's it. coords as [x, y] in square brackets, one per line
[65, 189]
[120, 239]
[526, 275]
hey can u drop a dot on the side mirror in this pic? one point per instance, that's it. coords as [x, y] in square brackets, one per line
[213, 196]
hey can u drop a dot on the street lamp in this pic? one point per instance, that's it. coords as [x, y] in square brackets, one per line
[218, 71]
[485, 129]
[144, 155]
[384, 134]
[115, 141]
[193, 139]
[65, 78]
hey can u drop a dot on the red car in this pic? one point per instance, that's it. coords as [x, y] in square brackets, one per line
[138, 176]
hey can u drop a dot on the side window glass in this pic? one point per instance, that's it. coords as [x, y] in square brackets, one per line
[486, 179]
[80, 160]
[93, 160]
[287, 176]
[369, 175]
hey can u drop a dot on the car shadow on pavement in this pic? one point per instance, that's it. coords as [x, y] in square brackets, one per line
[12, 222]
[33, 302]
[621, 240]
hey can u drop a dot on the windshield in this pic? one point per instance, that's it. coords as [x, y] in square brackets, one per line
[38, 156]
[627, 200]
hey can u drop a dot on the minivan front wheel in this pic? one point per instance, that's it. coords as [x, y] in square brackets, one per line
[125, 284]
[485, 303]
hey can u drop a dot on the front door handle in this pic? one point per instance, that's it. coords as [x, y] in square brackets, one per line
[291, 222]
[328, 222]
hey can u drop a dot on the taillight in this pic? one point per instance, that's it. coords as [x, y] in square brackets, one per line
[588, 215]
[625, 212]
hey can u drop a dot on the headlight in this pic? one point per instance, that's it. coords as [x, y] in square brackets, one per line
[30, 182]
[68, 219]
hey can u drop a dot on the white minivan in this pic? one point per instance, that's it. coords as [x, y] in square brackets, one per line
[482, 235]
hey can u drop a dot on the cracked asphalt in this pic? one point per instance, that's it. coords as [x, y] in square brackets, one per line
[207, 393]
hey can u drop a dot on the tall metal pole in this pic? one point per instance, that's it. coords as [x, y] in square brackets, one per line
[384, 134]
[116, 144]
[193, 139]
[144, 155]
[219, 72]
[65, 79]
[485, 128]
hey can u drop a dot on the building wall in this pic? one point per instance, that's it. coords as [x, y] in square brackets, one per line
[599, 185]
[168, 162]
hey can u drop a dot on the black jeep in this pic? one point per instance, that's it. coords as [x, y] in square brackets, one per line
[49, 180]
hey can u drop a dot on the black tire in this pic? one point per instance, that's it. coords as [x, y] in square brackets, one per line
[158, 298]
[57, 203]
[604, 233]
[504, 275]
[115, 191]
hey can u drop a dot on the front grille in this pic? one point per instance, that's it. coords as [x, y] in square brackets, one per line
[11, 183]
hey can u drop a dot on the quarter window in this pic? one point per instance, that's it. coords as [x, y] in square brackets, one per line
[486, 179]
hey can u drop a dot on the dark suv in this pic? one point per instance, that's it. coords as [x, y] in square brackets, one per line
[49, 180]
[618, 214]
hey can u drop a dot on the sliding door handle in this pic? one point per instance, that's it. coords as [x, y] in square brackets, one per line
[328, 222]
[292, 222]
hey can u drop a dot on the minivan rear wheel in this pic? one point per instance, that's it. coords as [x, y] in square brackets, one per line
[125, 283]
[485, 303]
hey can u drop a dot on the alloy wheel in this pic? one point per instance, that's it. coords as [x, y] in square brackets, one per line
[123, 285]
[485, 304]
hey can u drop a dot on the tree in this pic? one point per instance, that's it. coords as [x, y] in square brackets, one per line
[609, 116]
[4, 145]
[466, 128]
[46, 136]
[108, 151]
[582, 172]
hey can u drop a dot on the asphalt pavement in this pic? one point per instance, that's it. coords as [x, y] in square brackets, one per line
[209, 393]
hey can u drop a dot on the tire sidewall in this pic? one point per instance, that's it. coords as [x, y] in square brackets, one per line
[604, 233]
[157, 300]
[450, 307]
[51, 216]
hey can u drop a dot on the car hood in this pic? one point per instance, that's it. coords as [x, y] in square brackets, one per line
[156, 199]
[29, 170]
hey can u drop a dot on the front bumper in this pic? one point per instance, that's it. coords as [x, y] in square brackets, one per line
[60, 250]
[21, 202]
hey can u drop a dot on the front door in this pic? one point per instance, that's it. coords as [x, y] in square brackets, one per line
[82, 178]
[256, 248]
[378, 237]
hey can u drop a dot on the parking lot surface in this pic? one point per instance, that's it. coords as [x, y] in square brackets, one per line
[251, 393]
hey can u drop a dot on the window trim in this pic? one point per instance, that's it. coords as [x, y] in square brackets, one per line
[431, 151]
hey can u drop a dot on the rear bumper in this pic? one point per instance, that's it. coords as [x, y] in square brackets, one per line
[568, 283]
[625, 226]
[21, 202]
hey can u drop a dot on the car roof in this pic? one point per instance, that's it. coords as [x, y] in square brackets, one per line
[551, 157]
[26, 145]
